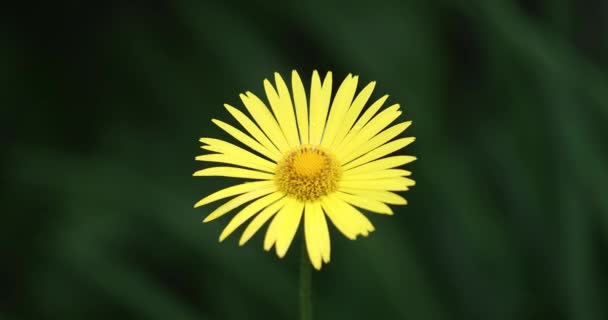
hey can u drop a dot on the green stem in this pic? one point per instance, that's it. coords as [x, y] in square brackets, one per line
[305, 285]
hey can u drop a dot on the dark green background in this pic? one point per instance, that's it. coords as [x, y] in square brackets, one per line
[103, 103]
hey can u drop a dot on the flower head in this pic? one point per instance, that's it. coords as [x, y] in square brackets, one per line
[309, 159]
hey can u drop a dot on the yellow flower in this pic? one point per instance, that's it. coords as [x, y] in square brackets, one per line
[309, 161]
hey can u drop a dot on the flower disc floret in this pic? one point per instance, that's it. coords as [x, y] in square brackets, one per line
[308, 173]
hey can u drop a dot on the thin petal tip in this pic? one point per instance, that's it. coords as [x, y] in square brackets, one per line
[243, 96]
[222, 237]
[281, 254]
[267, 246]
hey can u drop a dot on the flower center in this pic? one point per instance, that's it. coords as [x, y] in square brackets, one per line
[307, 173]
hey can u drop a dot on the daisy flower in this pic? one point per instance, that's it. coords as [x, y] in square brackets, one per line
[309, 158]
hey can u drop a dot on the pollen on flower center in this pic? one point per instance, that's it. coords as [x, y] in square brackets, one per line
[308, 163]
[307, 173]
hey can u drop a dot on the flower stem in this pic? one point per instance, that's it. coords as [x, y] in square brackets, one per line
[305, 285]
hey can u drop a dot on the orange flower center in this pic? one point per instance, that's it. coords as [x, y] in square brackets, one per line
[308, 173]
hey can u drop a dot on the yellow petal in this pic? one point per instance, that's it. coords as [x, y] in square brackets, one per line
[290, 227]
[265, 120]
[232, 191]
[247, 140]
[284, 226]
[381, 164]
[259, 220]
[367, 115]
[379, 141]
[325, 239]
[353, 113]
[343, 99]
[235, 155]
[355, 140]
[346, 218]
[391, 184]
[319, 104]
[382, 174]
[248, 212]
[254, 131]
[222, 158]
[234, 173]
[235, 202]
[378, 123]
[299, 99]
[365, 203]
[280, 102]
[379, 195]
[316, 234]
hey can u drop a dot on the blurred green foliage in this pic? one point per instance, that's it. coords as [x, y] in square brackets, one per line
[103, 103]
